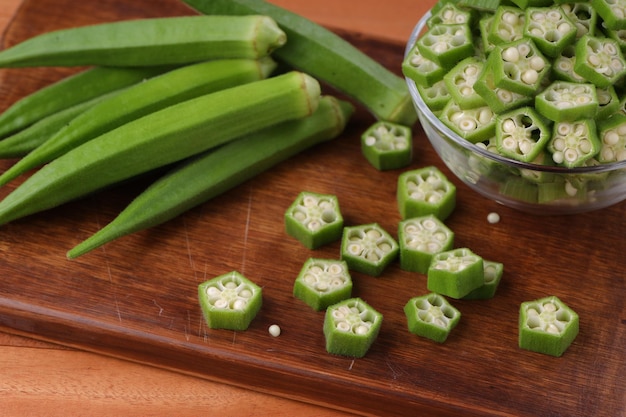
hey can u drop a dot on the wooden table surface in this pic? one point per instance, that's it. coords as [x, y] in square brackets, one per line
[44, 379]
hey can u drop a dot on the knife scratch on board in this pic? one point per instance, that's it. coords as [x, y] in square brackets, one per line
[245, 234]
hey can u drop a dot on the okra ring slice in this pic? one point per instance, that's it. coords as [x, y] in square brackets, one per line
[599, 60]
[507, 25]
[612, 136]
[565, 101]
[447, 44]
[323, 282]
[436, 96]
[474, 125]
[387, 145]
[425, 191]
[229, 301]
[431, 316]
[314, 219]
[521, 134]
[351, 327]
[424, 71]
[574, 143]
[547, 326]
[449, 14]
[493, 272]
[419, 239]
[519, 66]
[455, 273]
[612, 12]
[368, 248]
[460, 81]
[550, 28]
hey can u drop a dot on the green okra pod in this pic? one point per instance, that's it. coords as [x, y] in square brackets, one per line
[329, 58]
[147, 42]
[142, 99]
[203, 177]
[70, 91]
[30, 138]
[161, 138]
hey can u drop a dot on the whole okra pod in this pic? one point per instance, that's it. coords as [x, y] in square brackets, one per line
[208, 175]
[147, 42]
[161, 138]
[327, 57]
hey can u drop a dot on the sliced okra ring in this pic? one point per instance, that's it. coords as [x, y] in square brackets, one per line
[323, 282]
[436, 96]
[387, 145]
[608, 102]
[547, 326]
[431, 316]
[499, 99]
[573, 143]
[519, 66]
[460, 82]
[493, 276]
[520, 189]
[419, 239]
[455, 273]
[447, 44]
[314, 219]
[507, 25]
[474, 125]
[351, 327]
[420, 69]
[612, 136]
[583, 15]
[564, 101]
[368, 248]
[613, 13]
[563, 66]
[521, 134]
[425, 191]
[550, 28]
[599, 60]
[229, 301]
[449, 14]
[544, 159]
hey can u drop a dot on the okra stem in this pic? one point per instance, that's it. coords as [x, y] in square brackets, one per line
[161, 138]
[208, 175]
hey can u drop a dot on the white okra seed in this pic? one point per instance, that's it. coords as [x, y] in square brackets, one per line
[274, 330]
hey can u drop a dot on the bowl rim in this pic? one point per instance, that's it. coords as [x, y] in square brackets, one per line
[464, 143]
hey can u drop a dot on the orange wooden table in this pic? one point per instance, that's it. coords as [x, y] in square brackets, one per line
[42, 379]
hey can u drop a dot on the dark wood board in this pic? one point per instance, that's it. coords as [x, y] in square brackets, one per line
[136, 298]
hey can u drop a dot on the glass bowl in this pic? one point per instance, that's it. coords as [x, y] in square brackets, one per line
[538, 189]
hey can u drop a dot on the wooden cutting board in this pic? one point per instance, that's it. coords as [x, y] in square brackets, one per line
[136, 298]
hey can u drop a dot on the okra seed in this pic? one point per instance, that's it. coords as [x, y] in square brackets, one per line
[511, 54]
[467, 125]
[523, 49]
[509, 126]
[274, 330]
[493, 218]
[510, 18]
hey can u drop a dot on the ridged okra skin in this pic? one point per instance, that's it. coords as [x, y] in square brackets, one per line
[323, 282]
[148, 42]
[157, 93]
[547, 326]
[455, 273]
[314, 219]
[198, 179]
[154, 141]
[329, 58]
[351, 327]
[230, 301]
[68, 92]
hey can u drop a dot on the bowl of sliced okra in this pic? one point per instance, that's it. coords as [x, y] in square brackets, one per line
[525, 100]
